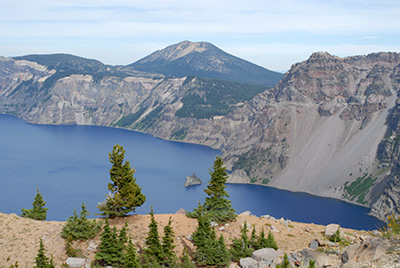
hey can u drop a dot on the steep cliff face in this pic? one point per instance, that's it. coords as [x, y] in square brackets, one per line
[329, 127]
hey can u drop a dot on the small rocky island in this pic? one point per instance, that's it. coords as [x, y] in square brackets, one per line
[192, 180]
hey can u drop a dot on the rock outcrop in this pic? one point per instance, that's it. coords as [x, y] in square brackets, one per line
[192, 180]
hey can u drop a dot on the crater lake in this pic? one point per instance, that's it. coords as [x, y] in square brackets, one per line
[69, 165]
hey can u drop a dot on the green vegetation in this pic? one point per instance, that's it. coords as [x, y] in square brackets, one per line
[265, 181]
[392, 229]
[210, 251]
[253, 158]
[80, 228]
[150, 119]
[216, 206]
[112, 246]
[179, 134]
[168, 253]
[41, 260]
[159, 253]
[128, 120]
[153, 251]
[211, 97]
[38, 211]
[125, 194]
[336, 238]
[131, 259]
[285, 262]
[244, 246]
[359, 188]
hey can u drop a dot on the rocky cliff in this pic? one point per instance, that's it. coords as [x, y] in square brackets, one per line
[328, 128]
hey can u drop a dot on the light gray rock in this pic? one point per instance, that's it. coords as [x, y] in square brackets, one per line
[331, 229]
[181, 211]
[268, 255]
[245, 213]
[376, 233]
[274, 229]
[370, 250]
[248, 263]
[192, 180]
[314, 244]
[321, 259]
[78, 262]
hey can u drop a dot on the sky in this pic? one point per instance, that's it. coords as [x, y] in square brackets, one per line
[274, 34]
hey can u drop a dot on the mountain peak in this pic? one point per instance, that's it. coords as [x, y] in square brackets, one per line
[203, 59]
[176, 51]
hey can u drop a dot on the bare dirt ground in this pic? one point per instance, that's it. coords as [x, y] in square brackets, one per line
[19, 237]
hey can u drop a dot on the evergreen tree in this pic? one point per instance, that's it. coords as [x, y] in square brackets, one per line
[216, 206]
[169, 256]
[253, 243]
[204, 239]
[109, 249]
[222, 255]
[153, 252]
[38, 211]
[271, 243]
[131, 259]
[185, 260]
[262, 242]
[285, 262]
[80, 228]
[241, 248]
[125, 194]
[41, 260]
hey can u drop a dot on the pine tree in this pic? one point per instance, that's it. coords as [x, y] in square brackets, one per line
[153, 252]
[285, 262]
[222, 255]
[216, 206]
[169, 256]
[262, 242]
[204, 239]
[109, 250]
[41, 260]
[185, 260]
[125, 194]
[131, 259]
[271, 243]
[38, 211]
[241, 247]
[80, 228]
[253, 243]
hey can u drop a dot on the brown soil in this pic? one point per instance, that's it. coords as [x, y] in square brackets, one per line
[19, 237]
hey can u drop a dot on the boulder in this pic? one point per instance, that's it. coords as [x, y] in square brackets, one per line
[268, 255]
[245, 213]
[369, 250]
[321, 259]
[78, 262]
[331, 229]
[314, 244]
[248, 263]
[181, 211]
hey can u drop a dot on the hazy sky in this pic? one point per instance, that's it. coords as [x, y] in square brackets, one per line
[273, 34]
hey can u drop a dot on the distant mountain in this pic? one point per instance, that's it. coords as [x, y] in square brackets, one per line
[66, 63]
[203, 59]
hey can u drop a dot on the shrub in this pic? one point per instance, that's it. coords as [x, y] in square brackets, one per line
[38, 211]
[80, 228]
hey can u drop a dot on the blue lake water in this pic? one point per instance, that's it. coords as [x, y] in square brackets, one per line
[70, 165]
